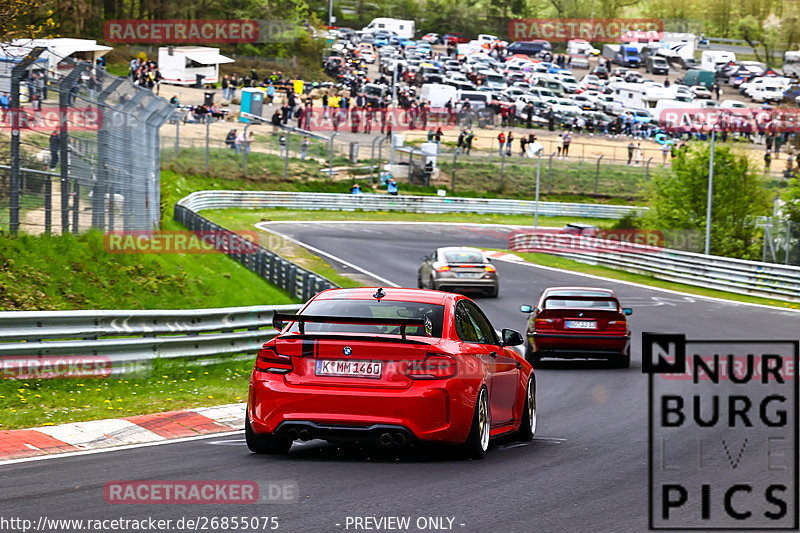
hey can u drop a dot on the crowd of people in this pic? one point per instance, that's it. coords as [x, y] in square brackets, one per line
[145, 74]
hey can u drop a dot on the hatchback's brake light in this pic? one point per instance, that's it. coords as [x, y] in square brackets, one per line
[269, 360]
[434, 366]
[443, 268]
[490, 268]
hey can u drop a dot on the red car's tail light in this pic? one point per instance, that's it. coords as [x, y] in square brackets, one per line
[443, 268]
[617, 325]
[436, 366]
[490, 268]
[269, 360]
[544, 323]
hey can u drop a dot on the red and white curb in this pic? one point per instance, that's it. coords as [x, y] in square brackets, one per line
[96, 434]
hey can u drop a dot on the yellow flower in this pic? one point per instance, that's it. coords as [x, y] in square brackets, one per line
[106, 401]
[210, 397]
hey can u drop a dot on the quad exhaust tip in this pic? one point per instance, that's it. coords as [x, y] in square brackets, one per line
[385, 439]
[304, 435]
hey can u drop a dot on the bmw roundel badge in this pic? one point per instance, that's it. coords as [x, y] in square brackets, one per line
[347, 350]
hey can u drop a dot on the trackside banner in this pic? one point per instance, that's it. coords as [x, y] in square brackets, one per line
[564, 30]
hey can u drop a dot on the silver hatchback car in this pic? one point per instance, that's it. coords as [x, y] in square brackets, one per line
[458, 269]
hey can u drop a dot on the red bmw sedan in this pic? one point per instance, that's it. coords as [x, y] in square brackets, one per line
[393, 366]
[578, 322]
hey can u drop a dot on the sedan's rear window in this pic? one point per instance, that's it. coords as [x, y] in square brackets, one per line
[373, 309]
[463, 257]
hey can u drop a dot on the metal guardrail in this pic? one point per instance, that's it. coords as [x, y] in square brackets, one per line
[200, 200]
[125, 337]
[755, 278]
[284, 274]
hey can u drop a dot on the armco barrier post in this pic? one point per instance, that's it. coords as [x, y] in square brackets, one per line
[549, 170]
[597, 174]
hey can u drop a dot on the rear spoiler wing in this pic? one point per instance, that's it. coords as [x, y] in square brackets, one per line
[279, 320]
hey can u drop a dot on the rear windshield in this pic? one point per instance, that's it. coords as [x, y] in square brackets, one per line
[373, 309]
[563, 300]
[463, 257]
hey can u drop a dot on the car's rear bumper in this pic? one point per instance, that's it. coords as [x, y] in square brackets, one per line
[567, 346]
[465, 284]
[439, 411]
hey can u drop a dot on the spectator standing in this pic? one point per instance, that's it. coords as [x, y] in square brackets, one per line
[501, 140]
[239, 142]
[566, 140]
[304, 148]
[509, 139]
[767, 161]
[631, 149]
[232, 86]
[5, 103]
[55, 148]
[224, 84]
[638, 156]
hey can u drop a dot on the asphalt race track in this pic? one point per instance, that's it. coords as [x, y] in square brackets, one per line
[586, 470]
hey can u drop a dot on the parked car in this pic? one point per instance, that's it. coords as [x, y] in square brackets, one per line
[578, 322]
[393, 366]
[433, 38]
[458, 268]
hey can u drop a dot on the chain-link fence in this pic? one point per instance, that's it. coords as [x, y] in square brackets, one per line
[83, 152]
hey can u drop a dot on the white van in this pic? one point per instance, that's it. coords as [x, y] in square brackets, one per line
[436, 95]
[757, 83]
[711, 59]
[477, 99]
[403, 28]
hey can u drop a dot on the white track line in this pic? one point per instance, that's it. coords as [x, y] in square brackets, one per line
[331, 256]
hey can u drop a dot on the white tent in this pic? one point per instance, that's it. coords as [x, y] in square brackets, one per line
[62, 48]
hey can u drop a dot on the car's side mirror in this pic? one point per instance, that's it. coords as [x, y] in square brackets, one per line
[512, 338]
[627, 311]
[525, 308]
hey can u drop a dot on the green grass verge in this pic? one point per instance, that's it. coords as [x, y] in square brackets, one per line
[171, 386]
[69, 272]
[575, 266]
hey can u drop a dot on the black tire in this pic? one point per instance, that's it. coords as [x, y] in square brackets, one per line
[534, 358]
[495, 292]
[527, 427]
[623, 360]
[477, 442]
[419, 282]
[265, 443]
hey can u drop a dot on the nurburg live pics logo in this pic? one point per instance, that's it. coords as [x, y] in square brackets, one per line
[722, 433]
